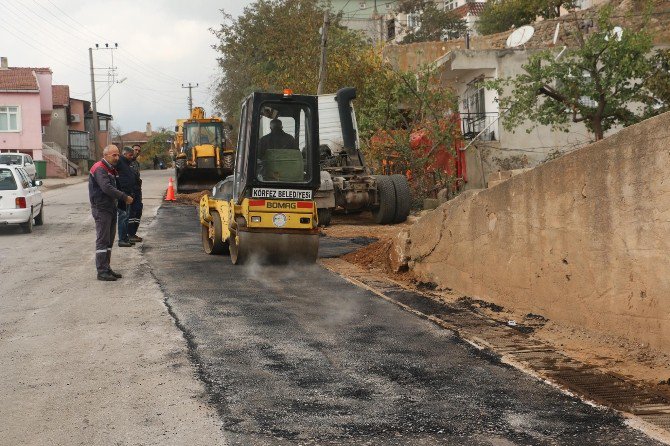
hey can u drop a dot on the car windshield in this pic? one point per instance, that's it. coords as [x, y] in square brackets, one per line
[7, 181]
[10, 159]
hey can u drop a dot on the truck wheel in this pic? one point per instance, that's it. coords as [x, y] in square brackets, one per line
[385, 213]
[403, 199]
[324, 215]
[212, 242]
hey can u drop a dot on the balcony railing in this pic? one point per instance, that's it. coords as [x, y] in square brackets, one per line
[476, 123]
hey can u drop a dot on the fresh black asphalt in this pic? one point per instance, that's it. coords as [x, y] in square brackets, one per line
[297, 355]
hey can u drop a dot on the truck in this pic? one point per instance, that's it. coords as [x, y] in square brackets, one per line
[347, 184]
[203, 157]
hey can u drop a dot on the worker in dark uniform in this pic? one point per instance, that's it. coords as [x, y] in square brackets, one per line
[276, 139]
[104, 196]
[127, 180]
[137, 206]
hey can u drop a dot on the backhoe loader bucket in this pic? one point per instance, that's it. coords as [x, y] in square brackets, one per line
[191, 180]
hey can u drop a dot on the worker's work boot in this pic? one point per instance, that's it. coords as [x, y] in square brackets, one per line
[115, 274]
[106, 276]
[125, 243]
[135, 238]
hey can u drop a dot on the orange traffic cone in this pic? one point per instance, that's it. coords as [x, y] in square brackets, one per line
[169, 196]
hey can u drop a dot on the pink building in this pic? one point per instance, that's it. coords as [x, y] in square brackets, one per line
[26, 103]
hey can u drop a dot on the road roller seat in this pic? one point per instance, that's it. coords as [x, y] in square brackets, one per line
[284, 165]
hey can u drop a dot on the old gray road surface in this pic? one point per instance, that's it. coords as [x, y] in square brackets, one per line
[84, 362]
[297, 355]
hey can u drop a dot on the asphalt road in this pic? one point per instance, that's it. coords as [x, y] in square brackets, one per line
[297, 355]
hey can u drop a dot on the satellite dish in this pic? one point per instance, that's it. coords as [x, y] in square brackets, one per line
[616, 32]
[520, 36]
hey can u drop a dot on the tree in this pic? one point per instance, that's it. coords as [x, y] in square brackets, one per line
[601, 82]
[256, 53]
[502, 15]
[435, 24]
[275, 44]
[658, 83]
[412, 126]
[157, 145]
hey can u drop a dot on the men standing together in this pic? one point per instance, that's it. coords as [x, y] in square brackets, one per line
[115, 193]
[105, 196]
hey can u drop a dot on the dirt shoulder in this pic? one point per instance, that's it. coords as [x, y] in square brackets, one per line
[606, 352]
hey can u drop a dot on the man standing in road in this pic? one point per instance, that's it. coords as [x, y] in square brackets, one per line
[127, 181]
[104, 196]
[137, 206]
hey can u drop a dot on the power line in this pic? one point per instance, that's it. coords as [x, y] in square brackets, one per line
[132, 59]
[39, 48]
[127, 57]
[23, 21]
[27, 20]
[75, 21]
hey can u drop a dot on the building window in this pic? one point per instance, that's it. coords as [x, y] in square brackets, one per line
[390, 29]
[474, 102]
[413, 20]
[450, 4]
[103, 125]
[9, 119]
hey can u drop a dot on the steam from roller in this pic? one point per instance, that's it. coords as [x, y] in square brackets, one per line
[278, 248]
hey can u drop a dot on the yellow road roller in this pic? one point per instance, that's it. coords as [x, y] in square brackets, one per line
[265, 211]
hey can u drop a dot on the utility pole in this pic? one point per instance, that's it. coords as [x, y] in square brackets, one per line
[96, 150]
[378, 21]
[94, 103]
[323, 71]
[190, 96]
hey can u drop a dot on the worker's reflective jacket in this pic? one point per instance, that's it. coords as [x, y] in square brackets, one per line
[102, 187]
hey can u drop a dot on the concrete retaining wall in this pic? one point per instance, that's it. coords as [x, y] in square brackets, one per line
[583, 240]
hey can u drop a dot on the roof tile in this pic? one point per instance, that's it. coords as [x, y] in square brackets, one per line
[135, 136]
[18, 79]
[61, 95]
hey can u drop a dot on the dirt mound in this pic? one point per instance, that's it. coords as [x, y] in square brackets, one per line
[192, 198]
[377, 256]
[373, 256]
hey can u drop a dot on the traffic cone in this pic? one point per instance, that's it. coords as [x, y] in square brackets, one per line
[169, 196]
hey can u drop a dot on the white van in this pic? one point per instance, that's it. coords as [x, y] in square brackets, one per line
[21, 201]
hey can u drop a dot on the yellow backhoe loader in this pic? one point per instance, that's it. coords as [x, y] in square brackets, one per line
[203, 158]
[265, 211]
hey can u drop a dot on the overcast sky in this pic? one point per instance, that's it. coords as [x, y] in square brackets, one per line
[162, 44]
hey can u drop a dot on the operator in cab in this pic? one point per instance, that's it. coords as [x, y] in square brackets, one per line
[277, 139]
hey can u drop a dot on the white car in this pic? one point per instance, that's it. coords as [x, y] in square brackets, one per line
[21, 201]
[20, 159]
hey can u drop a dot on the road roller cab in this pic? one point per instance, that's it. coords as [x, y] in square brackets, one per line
[265, 210]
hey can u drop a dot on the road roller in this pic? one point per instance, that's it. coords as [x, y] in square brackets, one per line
[265, 211]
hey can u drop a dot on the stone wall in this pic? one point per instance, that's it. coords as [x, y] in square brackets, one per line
[583, 240]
